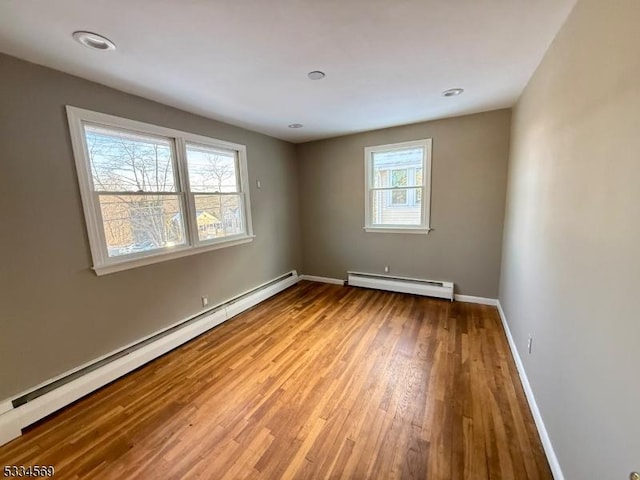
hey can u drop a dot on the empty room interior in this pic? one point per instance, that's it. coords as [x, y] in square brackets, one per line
[295, 239]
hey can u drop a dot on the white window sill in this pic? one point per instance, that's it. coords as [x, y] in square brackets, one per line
[118, 266]
[420, 230]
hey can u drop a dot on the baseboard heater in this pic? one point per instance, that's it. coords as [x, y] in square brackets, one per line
[429, 288]
[45, 399]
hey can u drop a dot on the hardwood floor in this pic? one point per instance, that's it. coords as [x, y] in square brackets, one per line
[321, 381]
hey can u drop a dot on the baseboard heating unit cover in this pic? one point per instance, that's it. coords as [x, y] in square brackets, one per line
[429, 288]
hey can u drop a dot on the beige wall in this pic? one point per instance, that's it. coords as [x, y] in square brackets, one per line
[571, 262]
[469, 172]
[55, 313]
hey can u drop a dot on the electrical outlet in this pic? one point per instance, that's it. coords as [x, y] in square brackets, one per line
[530, 343]
[386, 269]
[205, 301]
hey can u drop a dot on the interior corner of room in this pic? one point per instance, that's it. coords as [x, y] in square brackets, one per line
[527, 205]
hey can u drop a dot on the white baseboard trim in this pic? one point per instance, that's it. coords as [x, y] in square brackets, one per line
[5, 406]
[480, 300]
[313, 278]
[537, 416]
[15, 419]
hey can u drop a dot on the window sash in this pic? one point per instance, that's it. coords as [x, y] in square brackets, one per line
[395, 207]
[193, 219]
[132, 134]
[152, 251]
[212, 148]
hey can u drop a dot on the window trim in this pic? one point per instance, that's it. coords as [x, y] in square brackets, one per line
[102, 263]
[425, 206]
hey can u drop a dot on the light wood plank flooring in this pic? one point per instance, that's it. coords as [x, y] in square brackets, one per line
[321, 381]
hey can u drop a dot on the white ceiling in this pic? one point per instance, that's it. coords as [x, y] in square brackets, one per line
[246, 61]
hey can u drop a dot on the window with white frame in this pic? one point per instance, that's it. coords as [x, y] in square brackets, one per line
[152, 193]
[398, 182]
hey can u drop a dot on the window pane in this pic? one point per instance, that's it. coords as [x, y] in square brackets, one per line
[129, 162]
[218, 216]
[385, 212]
[212, 169]
[385, 164]
[141, 223]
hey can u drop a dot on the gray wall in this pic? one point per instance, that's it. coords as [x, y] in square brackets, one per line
[571, 262]
[469, 170]
[55, 314]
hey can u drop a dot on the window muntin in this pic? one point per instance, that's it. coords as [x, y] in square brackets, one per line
[396, 185]
[151, 193]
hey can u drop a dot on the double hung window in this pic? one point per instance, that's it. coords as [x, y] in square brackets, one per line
[397, 180]
[152, 193]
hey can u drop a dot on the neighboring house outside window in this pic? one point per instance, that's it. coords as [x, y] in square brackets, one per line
[396, 185]
[208, 225]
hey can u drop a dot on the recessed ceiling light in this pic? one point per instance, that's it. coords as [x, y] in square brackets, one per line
[453, 92]
[94, 41]
[316, 75]
[296, 125]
